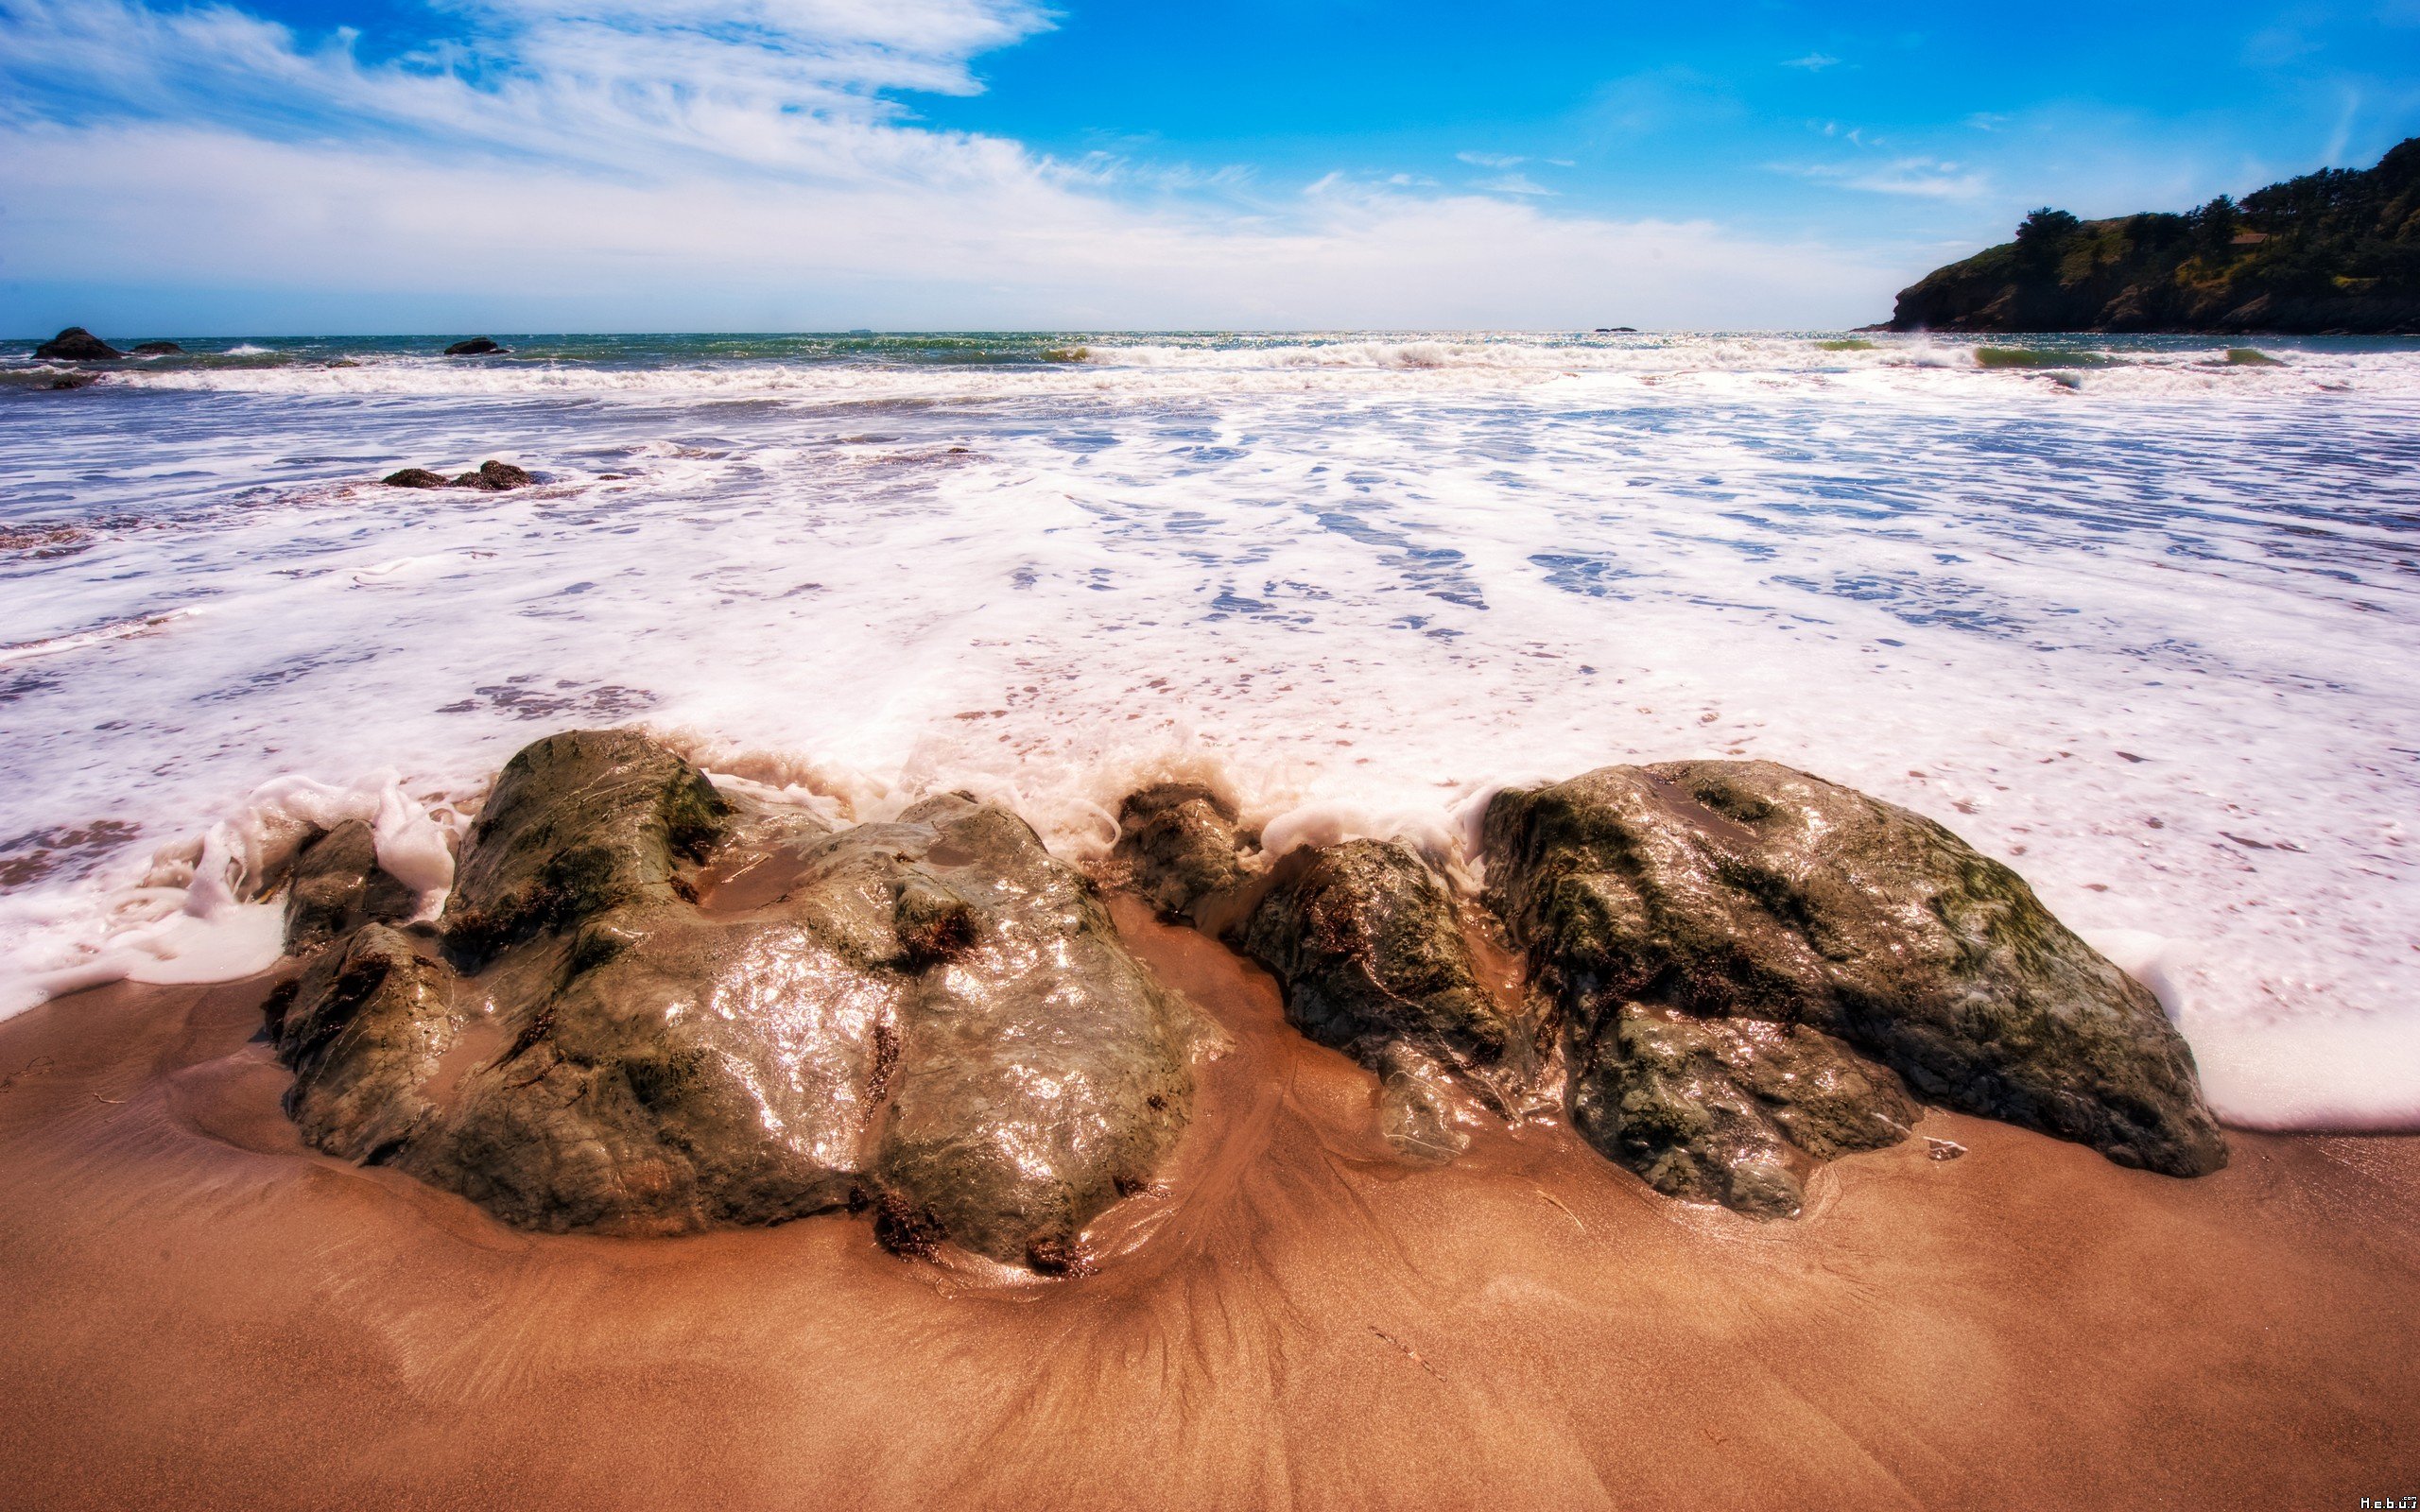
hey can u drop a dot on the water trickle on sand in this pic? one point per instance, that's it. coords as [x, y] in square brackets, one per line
[2142, 629]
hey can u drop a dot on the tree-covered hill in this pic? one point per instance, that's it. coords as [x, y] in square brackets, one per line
[2333, 252]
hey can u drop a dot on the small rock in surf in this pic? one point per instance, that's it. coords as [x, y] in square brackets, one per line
[495, 477]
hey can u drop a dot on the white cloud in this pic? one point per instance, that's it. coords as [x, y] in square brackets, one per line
[1491, 160]
[1813, 62]
[680, 165]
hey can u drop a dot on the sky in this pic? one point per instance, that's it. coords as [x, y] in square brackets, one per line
[265, 167]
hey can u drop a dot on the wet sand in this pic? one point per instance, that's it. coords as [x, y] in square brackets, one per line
[197, 1311]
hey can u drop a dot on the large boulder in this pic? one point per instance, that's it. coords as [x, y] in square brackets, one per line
[76, 344]
[675, 1011]
[475, 347]
[1367, 948]
[1749, 960]
[158, 349]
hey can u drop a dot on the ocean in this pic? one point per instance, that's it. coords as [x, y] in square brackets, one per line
[2139, 618]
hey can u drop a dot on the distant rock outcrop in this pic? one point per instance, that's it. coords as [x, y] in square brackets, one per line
[76, 344]
[158, 349]
[2333, 252]
[475, 347]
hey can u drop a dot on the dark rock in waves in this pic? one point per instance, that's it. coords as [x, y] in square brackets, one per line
[76, 344]
[495, 477]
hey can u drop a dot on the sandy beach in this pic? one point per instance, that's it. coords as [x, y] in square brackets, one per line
[202, 1311]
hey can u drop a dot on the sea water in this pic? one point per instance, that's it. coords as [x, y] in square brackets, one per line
[2137, 618]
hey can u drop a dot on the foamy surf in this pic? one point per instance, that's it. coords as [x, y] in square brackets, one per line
[2137, 624]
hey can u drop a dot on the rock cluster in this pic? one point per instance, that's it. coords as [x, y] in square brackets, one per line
[660, 1009]
[1746, 971]
[490, 478]
[653, 1006]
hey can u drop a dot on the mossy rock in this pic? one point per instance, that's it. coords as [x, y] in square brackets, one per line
[1763, 905]
[577, 823]
[1178, 844]
[1364, 940]
[685, 1011]
[337, 885]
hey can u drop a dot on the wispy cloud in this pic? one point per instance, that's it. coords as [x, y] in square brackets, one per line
[1813, 62]
[1515, 183]
[1922, 178]
[1491, 160]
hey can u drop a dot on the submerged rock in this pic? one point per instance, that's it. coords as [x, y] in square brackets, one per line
[338, 887]
[1178, 844]
[475, 347]
[495, 477]
[1745, 955]
[677, 1011]
[1365, 940]
[414, 478]
[158, 349]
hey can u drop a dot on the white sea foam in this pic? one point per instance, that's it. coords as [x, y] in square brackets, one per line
[1151, 371]
[2149, 638]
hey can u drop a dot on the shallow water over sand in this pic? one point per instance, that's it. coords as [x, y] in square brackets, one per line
[2144, 630]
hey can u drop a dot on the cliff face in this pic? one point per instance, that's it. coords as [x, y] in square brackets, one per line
[2336, 251]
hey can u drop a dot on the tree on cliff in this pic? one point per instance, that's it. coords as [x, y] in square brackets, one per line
[2336, 250]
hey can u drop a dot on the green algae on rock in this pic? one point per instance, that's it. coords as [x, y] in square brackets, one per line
[677, 1012]
[1745, 955]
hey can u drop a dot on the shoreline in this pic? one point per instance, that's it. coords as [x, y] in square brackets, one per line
[201, 1311]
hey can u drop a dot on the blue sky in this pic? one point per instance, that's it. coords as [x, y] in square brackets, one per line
[353, 165]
